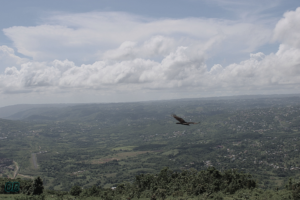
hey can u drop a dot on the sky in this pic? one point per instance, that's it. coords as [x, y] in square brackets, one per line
[94, 51]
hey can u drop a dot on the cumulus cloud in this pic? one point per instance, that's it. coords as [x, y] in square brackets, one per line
[288, 28]
[8, 58]
[157, 46]
[138, 73]
[180, 69]
[85, 37]
[149, 58]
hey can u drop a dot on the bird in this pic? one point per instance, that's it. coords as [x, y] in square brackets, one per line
[182, 122]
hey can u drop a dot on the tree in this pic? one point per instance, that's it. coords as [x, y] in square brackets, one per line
[37, 186]
[32, 188]
[75, 190]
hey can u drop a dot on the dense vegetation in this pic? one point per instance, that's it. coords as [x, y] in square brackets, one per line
[168, 184]
[105, 145]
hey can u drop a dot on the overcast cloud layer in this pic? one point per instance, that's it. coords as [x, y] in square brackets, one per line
[127, 53]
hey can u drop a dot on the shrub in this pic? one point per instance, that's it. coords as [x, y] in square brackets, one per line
[37, 186]
[75, 190]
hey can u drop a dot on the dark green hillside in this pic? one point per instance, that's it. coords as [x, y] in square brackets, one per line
[167, 184]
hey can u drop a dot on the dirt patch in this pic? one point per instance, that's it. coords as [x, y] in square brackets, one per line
[34, 161]
[16, 169]
[25, 176]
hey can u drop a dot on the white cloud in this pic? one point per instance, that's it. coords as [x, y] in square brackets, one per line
[181, 69]
[138, 73]
[83, 37]
[8, 58]
[288, 28]
[162, 55]
[157, 46]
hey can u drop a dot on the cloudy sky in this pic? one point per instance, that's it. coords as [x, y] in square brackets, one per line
[81, 51]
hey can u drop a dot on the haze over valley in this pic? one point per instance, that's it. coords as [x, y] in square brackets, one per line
[107, 144]
[173, 99]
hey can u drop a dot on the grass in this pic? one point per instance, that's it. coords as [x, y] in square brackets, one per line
[171, 152]
[117, 156]
[127, 148]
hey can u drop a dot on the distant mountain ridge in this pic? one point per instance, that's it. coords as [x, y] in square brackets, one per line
[8, 111]
[130, 110]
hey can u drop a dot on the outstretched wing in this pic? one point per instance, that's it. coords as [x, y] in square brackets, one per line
[179, 119]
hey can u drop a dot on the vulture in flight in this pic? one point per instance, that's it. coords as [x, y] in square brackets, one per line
[182, 122]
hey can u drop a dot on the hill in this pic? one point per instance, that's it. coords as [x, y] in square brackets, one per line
[14, 111]
[107, 144]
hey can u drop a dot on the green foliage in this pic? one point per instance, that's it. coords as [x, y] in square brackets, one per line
[149, 147]
[33, 188]
[27, 187]
[75, 190]
[37, 186]
[296, 193]
[24, 184]
[26, 197]
[189, 182]
[295, 188]
[259, 136]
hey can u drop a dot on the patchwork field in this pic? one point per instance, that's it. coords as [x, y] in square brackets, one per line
[114, 143]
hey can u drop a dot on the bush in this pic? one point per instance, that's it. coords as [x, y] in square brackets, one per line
[37, 187]
[75, 190]
[192, 182]
[25, 197]
[296, 191]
